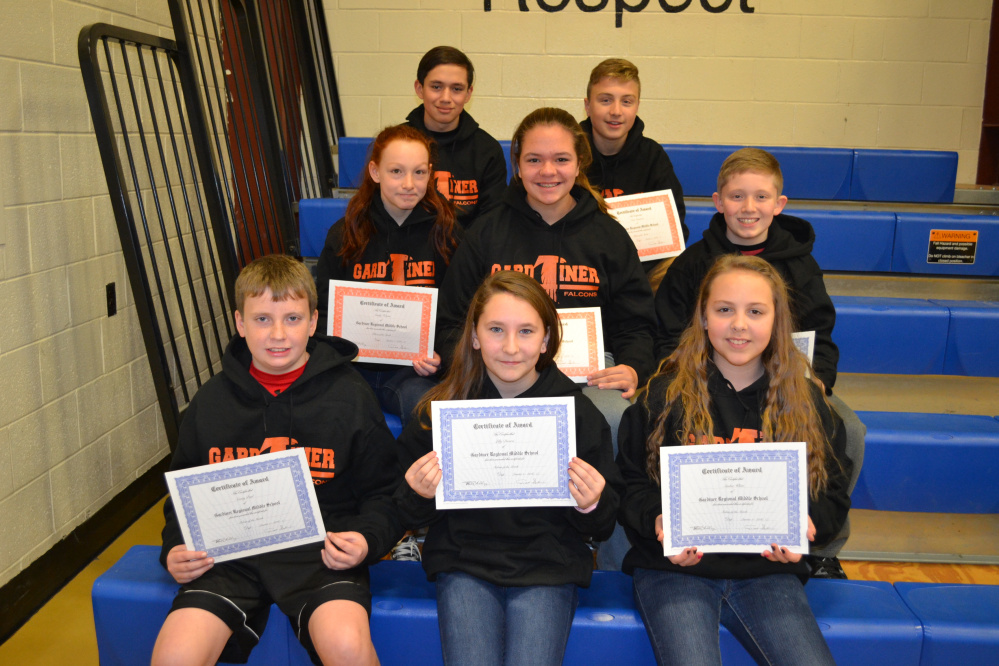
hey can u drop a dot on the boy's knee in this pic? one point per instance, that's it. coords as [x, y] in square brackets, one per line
[340, 634]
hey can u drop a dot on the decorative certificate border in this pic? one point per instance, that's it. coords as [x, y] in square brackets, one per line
[448, 415]
[788, 456]
[266, 463]
[664, 197]
[593, 332]
[425, 296]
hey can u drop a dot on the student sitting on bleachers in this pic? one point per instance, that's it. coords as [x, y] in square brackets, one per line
[397, 230]
[749, 222]
[279, 389]
[469, 167]
[735, 376]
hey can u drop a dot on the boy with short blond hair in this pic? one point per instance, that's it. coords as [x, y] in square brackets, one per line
[280, 389]
[750, 220]
[624, 160]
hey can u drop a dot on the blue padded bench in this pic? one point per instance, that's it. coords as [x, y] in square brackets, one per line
[960, 622]
[912, 241]
[938, 463]
[864, 622]
[972, 338]
[915, 176]
[890, 335]
[315, 217]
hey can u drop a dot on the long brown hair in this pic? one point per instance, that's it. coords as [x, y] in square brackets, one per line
[464, 379]
[789, 414]
[358, 227]
[550, 116]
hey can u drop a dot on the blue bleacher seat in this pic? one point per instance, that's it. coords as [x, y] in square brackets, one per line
[315, 217]
[353, 156]
[972, 338]
[697, 219]
[960, 622]
[697, 166]
[912, 241]
[890, 335]
[505, 145]
[939, 463]
[851, 240]
[916, 176]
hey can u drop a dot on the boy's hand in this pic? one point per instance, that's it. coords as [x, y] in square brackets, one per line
[186, 565]
[585, 484]
[620, 377]
[425, 367]
[344, 550]
[424, 475]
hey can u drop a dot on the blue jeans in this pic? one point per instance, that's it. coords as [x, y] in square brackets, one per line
[769, 615]
[484, 624]
[398, 391]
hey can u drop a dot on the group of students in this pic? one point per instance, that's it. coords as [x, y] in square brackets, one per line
[434, 210]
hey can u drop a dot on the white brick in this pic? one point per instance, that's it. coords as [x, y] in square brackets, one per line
[978, 42]
[946, 84]
[105, 227]
[376, 73]
[39, 302]
[44, 439]
[122, 339]
[826, 37]
[869, 39]
[972, 9]
[79, 482]
[933, 40]
[133, 444]
[17, 255]
[20, 368]
[931, 128]
[553, 76]
[503, 32]
[844, 125]
[971, 129]
[104, 404]
[737, 123]
[880, 83]
[121, 6]
[500, 115]
[889, 8]
[30, 168]
[712, 78]
[967, 166]
[684, 34]
[143, 390]
[779, 80]
[378, 4]
[362, 115]
[87, 288]
[82, 168]
[488, 75]
[655, 113]
[53, 99]
[26, 32]
[25, 520]
[656, 75]
[395, 109]
[61, 233]
[70, 359]
[6, 478]
[353, 31]
[564, 31]
[414, 32]
[800, 7]
[10, 101]
[453, 4]
[756, 35]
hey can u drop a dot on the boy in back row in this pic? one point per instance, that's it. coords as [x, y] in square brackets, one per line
[750, 222]
[280, 389]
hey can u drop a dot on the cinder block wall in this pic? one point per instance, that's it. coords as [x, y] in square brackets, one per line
[78, 414]
[843, 73]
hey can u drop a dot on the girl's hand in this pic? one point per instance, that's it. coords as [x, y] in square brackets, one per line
[344, 550]
[425, 367]
[688, 558]
[621, 377]
[585, 483]
[660, 533]
[186, 565]
[424, 475]
[783, 555]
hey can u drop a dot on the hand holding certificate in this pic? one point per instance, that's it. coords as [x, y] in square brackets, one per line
[501, 453]
[248, 506]
[652, 221]
[389, 323]
[734, 498]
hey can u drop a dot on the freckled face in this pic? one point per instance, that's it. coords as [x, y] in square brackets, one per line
[402, 175]
[548, 167]
[739, 320]
[511, 338]
[276, 332]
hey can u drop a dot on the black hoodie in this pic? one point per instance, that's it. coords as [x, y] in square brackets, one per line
[789, 249]
[396, 254]
[468, 164]
[517, 546]
[586, 259]
[731, 410]
[641, 165]
[330, 411]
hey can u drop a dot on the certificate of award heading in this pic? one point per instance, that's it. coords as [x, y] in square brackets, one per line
[652, 221]
[248, 506]
[734, 498]
[501, 453]
[582, 350]
[389, 323]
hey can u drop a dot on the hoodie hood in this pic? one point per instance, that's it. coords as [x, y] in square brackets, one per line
[628, 150]
[788, 237]
[464, 131]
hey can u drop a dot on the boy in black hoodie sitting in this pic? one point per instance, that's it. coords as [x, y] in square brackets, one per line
[278, 390]
[624, 161]
[468, 164]
[750, 221]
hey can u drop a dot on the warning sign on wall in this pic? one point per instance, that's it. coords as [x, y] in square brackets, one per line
[948, 246]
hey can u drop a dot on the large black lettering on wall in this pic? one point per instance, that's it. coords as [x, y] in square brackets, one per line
[624, 6]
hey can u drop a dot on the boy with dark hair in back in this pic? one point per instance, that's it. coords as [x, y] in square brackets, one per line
[469, 167]
[750, 220]
[280, 389]
[624, 160]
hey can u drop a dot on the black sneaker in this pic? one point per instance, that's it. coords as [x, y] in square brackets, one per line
[826, 567]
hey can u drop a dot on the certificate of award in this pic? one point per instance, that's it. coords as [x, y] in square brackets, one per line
[388, 322]
[582, 350]
[498, 453]
[247, 506]
[734, 498]
[652, 222]
[805, 342]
